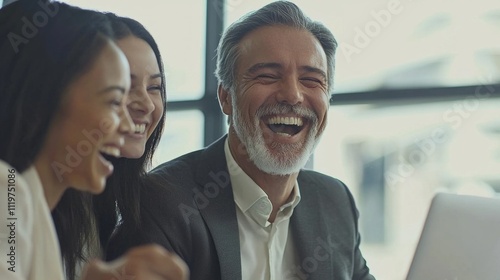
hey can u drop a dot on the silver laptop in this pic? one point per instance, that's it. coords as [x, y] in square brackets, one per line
[460, 240]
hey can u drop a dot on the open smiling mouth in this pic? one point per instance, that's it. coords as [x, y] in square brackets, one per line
[106, 155]
[139, 128]
[286, 126]
[110, 152]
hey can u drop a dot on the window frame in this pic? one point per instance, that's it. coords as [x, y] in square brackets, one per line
[215, 127]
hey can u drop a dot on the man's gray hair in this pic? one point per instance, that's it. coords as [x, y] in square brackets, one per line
[276, 13]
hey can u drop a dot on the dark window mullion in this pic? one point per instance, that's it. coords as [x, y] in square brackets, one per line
[210, 107]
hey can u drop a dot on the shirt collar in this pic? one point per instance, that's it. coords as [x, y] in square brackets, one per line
[249, 197]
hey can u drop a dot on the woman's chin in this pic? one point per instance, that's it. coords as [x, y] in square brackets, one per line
[97, 187]
[132, 152]
[94, 187]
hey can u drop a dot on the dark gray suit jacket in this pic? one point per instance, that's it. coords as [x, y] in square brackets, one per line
[187, 206]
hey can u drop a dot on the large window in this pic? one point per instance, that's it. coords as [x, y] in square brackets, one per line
[405, 43]
[179, 30]
[395, 156]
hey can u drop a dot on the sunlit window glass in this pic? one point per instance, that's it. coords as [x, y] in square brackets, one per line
[183, 133]
[405, 43]
[179, 30]
[395, 156]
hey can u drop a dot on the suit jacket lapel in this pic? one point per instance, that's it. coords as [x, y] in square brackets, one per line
[219, 213]
[307, 232]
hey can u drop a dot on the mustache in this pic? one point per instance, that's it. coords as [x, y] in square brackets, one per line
[281, 108]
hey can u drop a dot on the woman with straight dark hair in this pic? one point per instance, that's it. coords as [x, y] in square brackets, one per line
[64, 87]
[58, 65]
[86, 237]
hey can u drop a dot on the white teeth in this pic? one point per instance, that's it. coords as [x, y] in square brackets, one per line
[140, 128]
[286, 120]
[112, 151]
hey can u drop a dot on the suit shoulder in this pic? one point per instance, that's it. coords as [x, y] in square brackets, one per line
[171, 183]
[325, 187]
[182, 163]
[177, 173]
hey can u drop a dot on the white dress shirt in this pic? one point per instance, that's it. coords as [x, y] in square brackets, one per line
[267, 249]
[29, 249]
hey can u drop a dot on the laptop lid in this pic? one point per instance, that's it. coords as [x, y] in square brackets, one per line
[460, 240]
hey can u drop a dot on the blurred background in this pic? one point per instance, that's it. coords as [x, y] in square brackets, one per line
[416, 108]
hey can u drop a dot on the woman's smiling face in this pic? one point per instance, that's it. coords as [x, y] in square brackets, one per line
[92, 121]
[145, 104]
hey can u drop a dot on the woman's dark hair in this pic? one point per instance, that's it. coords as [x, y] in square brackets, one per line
[124, 185]
[44, 46]
[83, 220]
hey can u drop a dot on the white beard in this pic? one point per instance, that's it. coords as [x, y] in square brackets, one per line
[279, 159]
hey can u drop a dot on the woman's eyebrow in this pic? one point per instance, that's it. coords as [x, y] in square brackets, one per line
[113, 88]
[155, 76]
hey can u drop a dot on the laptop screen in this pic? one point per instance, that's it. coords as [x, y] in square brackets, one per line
[460, 240]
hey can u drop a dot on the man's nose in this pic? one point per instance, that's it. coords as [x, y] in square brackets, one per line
[290, 92]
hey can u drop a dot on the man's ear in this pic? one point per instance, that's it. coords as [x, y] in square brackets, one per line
[225, 100]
